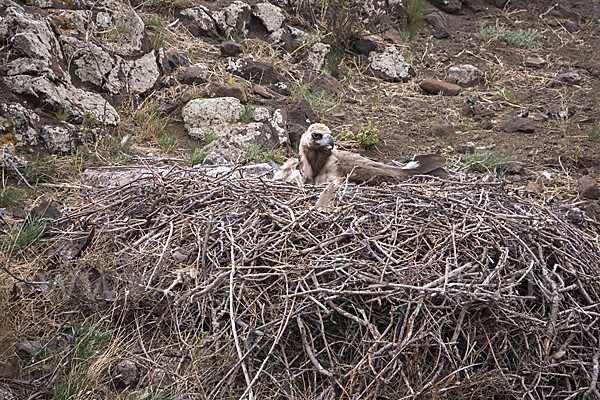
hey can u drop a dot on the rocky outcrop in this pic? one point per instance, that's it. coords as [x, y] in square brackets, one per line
[223, 116]
[55, 56]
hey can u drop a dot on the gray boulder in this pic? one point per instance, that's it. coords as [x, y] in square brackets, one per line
[390, 65]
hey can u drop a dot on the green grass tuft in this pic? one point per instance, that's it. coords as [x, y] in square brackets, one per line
[9, 196]
[248, 114]
[321, 102]
[23, 234]
[197, 157]
[593, 133]
[484, 162]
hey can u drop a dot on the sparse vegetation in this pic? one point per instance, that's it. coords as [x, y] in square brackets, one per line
[366, 137]
[22, 234]
[482, 161]
[248, 114]
[593, 133]
[118, 31]
[256, 152]
[321, 102]
[86, 361]
[123, 159]
[40, 170]
[447, 142]
[197, 157]
[9, 196]
[414, 19]
[78, 158]
[90, 122]
[520, 38]
[159, 35]
[63, 113]
[152, 124]
[166, 142]
[595, 100]
[210, 136]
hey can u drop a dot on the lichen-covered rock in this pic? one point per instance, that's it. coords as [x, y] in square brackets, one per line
[34, 40]
[199, 22]
[465, 75]
[64, 138]
[316, 55]
[17, 130]
[234, 18]
[390, 65]
[270, 15]
[60, 96]
[125, 374]
[200, 114]
[197, 73]
[255, 71]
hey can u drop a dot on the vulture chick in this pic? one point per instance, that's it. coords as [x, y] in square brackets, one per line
[319, 163]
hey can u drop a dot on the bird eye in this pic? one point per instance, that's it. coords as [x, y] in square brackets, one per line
[317, 136]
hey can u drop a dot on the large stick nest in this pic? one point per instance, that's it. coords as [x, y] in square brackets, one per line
[429, 290]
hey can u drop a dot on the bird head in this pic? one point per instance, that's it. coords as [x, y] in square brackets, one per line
[317, 136]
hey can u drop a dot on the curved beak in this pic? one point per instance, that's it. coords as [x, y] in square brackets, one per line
[326, 141]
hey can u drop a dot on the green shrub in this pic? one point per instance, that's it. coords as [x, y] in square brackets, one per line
[366, 137]
[520, 38]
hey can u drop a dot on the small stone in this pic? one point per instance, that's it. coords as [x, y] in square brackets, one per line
[587, 187]
[364, 46]
[257, 72]
[390, 65]
[513, 167]
[438, 23]
[262, 91]
[46, 210]
[534, 62]
[466, 75]
[571, 27]
[467, 148]
[392, 35]
[229, 48]
[479, 109]
[519, 125]
[216, 89]
[125, 374]
[557, 111]
[442, 130]
[466, 111]
[487, 124]
[434, 86]
[197, 73]
[572, 78]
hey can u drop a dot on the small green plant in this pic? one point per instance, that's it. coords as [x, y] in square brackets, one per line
[166, 143]
[22, 235]
[520, 38]
[90, 122]
[414, 19]
[9, 195]
[159, 36]
[84, 360]
[197, 157]
[595, 100]
[366, 137]
[123, 159]
[275, 157]
[193, 55]
[209, 136]
[63, 113]
[593, 133]
[230, 81]
[511, 97]
[448, 141]
[483, 161]
[253, 151]
[593, 174]
[40, 170]
[247, 115]
[118, 31]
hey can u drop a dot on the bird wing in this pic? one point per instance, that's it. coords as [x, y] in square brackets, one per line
[361, 169]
